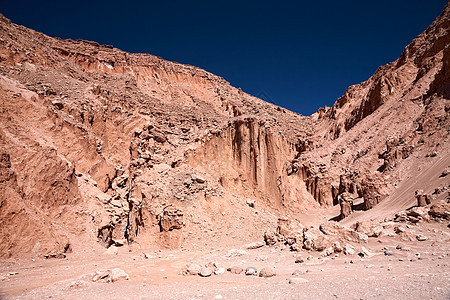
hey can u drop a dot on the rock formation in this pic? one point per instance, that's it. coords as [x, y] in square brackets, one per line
[100, 145]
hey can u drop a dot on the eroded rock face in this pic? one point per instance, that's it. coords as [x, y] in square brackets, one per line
[346, 205]
[423, 199]
[136, 148]
[170, 219]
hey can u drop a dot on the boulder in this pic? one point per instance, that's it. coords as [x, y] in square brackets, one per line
[342, 232]
[270, 238]
[365, 253]
[118, 274]
[267, 272]
[349, 249]
[369, 228]
[192, 269]
[113, 275]
[440, 210]
[290, 231]
[314, 239]
[418, 212]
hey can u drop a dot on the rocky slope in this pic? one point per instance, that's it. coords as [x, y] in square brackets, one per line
[100, 145]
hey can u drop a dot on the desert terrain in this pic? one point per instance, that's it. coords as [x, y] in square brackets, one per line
[126, 176]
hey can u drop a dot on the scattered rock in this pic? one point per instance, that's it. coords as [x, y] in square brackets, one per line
[369, 228]
[270, 238]
[297, 280]
[267, 272]
[399, 247]
[118, 274]
[58, 104]
[236, 252]
[112, 250]
[365, 253]
[113, 275]
[349, 249]
[445, 172]
[250, 202]
[440, 210]
[297, 273]
[219, 271]
[205, 272]
[198, 179]
[388, 252]
[399, 229]
[251, 271]
[299, 260]
[335, 229]
[55, 255]
[192, 269]
[314, 239]
[235, 270]
[421, 237]
[120, 242]
[418, 212]
[254, 245]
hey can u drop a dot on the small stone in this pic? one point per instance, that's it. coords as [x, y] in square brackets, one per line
[297, 273]
[251, 271]
[113, 250]
[399, 229]
[388, 252]
[299, 260]
[119, 243]
[205, 272]
[298, 280]
[255, 245]
[199, 179]
[219, 271]
[421, 237]
[267, 272]
[250, 203]
[236, 252]
[399, 247]
[218, 297]
[118, 274]
[235, 270]
[192, 269]
[349, 249]
[364, 252]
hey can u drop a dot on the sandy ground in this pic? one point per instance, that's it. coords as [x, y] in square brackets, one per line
[420, 270]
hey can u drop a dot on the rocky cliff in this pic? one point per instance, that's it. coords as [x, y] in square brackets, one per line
[103, 146]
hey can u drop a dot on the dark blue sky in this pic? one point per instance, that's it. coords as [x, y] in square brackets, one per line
[302, 54]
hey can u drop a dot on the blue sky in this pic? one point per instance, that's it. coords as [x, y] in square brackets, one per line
[300, 54]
